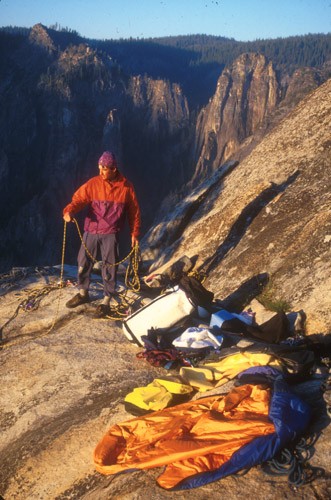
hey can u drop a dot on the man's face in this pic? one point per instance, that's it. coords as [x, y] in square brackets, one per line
[108, 173]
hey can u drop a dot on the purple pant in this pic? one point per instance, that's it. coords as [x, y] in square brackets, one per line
[108, 246]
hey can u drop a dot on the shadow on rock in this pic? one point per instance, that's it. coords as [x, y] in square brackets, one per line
[247, 291]
[245, 219]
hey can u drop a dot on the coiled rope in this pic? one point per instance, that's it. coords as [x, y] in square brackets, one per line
[34, 296]
[293, 461]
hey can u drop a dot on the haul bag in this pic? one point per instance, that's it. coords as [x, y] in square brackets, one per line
[163, 312]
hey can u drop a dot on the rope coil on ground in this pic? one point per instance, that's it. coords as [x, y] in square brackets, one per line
[35, 296]
[293, 461]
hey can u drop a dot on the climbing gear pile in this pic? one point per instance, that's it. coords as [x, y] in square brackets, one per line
[31, 302]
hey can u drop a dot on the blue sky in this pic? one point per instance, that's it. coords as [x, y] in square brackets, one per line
[239, 19]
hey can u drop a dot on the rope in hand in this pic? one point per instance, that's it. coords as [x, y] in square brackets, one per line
[132, 279]
[133, 256]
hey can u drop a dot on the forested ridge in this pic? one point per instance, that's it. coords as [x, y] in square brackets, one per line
[305, 50]
[193, 61]
[308, 50]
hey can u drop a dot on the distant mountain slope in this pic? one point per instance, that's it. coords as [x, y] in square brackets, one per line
[196, 61]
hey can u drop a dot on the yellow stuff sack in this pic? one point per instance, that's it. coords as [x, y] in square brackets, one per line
[157, 395]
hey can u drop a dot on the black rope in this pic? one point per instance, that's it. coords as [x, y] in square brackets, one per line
[293, 461]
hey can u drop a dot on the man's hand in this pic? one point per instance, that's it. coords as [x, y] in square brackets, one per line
[67, 217]
[134, 241]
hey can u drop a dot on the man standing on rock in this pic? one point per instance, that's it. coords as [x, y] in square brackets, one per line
[109, 197]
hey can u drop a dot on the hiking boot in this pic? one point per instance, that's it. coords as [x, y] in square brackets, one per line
[77, 300]
[102, 311]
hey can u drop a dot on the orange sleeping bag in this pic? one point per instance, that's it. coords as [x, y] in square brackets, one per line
[189, 438]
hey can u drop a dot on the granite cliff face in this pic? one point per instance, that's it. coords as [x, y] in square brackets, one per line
[250, 99]
[40, 37]
[246, 93]
[268, 215]
[155, 139]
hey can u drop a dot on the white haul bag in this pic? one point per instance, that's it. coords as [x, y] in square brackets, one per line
[163, 312]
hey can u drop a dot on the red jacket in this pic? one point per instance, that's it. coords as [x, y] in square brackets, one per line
[109, 202]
